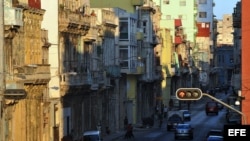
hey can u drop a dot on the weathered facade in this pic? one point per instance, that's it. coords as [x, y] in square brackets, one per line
[27, 68]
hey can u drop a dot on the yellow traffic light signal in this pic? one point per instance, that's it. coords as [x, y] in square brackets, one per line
[188, 93]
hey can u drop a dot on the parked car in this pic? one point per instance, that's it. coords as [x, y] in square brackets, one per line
[173, 121]
[212, 107]
[215, 138]
[94, 135]
[214, 133]
[186, 115]
[233, 117]
[183, 131]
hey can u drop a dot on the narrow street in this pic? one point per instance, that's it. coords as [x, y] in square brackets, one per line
[199, 120]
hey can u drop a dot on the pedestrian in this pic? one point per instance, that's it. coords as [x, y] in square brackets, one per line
[171, 104]
[125, 122]
[157, 109]
[107, 130]
[160, 116]
[165, 111]
[129, 132]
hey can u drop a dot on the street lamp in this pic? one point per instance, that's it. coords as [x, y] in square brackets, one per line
[239, 98]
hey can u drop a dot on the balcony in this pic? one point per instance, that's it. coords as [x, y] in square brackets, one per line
[136, 70]
[80, 79]
[132, 66]
[148, 5]
[91, 35]
[108, 18]
[74, 22]
[34, 74]
[75, 79]
[113, 71]
[13, 16]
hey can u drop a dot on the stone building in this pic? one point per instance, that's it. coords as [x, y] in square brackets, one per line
[27, 72]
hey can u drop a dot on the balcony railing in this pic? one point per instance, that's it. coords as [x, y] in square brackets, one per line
[94, 77]
[74, 22]
[78, 79]
[36, 74]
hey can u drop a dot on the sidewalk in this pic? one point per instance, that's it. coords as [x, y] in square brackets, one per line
[120, 134]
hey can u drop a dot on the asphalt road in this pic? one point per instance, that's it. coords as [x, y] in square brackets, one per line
[199, 120]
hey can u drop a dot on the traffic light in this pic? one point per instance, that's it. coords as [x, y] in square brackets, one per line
[188, 93]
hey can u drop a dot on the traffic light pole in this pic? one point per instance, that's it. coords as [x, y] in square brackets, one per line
[228, 106]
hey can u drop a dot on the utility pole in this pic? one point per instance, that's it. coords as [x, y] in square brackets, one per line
[2, 83]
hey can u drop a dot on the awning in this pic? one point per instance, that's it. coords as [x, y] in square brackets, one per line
[177, 40]
[177, 22]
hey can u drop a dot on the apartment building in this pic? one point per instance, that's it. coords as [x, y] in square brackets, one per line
[27, 72]
[204, 42]
[225, 30]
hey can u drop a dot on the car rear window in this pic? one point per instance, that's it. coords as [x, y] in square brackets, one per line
[211, 104]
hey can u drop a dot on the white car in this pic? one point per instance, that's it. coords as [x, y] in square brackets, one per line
[94, 135]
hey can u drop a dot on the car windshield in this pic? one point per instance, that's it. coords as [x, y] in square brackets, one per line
[183, 126]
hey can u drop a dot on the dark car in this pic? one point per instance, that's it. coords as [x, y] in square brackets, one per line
[173, 121]
[233, 117]
[94, 135]
[184, 131]
[215, 138]
[214, 132]
[212, 107]
[186, 115]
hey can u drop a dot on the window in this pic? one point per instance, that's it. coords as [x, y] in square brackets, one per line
[124, 30]
[168, 17]
[123, 56]
[202, 1]
[183, 17]
[182, 2]
[166, 1]
[202, 14]
[144, 26]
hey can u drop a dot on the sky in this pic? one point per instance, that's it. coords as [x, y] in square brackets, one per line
[224, 7]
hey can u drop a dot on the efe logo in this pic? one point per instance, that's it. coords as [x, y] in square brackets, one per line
[238, 132]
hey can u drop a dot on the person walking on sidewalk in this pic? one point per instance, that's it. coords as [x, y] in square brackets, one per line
[160, 116]
[129, 132]
[125, 122]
